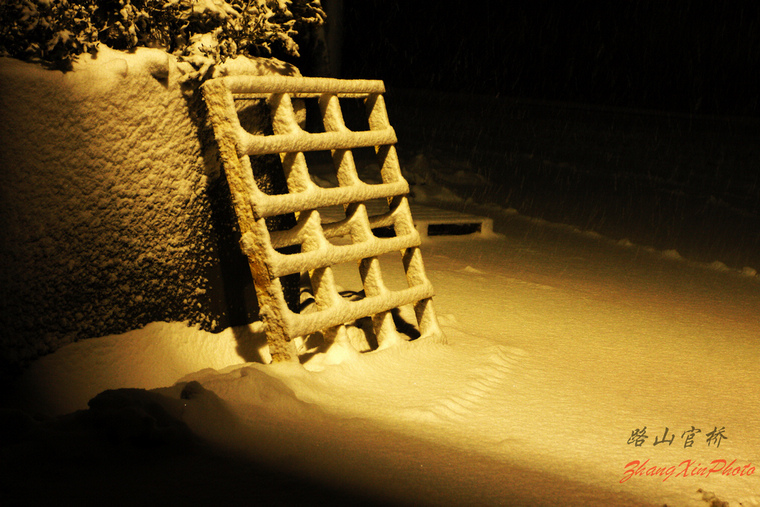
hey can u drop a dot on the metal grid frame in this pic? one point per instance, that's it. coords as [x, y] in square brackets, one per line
[318, 255]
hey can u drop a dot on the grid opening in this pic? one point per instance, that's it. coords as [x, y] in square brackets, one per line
[453, 229]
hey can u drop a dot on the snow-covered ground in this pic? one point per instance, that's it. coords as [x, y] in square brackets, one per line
[562, 344]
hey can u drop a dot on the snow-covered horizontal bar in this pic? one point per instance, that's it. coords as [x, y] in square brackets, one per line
[302, 325]
[297, 95]
[272, 205]
[251, 144]
[301, 85]
[286, 264]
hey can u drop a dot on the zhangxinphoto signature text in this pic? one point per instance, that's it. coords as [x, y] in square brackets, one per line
[687, 468]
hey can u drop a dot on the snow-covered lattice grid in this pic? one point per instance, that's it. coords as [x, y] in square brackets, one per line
[317, 254]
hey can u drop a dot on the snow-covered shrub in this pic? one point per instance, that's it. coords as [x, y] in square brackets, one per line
[56, 31]
[48, 30]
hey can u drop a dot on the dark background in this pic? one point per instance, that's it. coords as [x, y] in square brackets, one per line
[686, 56]
[634, 119]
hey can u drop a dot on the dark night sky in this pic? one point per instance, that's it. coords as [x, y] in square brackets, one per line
[686, 56]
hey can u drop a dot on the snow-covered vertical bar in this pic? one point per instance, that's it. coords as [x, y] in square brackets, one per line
[332, 114]
[412, 258]
[343, 159]
[224, 119]
[372, 277]
[426, 318]
[369, 268]
[327, 298]
[377, 116]
[284, 122]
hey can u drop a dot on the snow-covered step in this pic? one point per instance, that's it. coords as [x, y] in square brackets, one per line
[429, 221]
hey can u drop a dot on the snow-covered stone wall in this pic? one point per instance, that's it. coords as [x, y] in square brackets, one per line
[113, 209]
